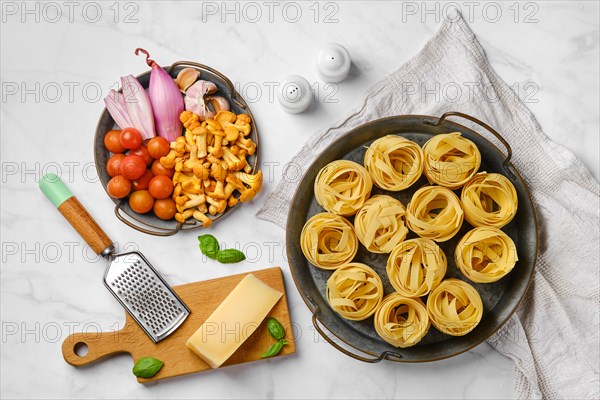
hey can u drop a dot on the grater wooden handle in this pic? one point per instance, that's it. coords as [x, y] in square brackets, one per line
[99, 345]
[85, 225]
[68, 205]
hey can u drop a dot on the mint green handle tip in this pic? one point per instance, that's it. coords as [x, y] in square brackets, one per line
[55, 189]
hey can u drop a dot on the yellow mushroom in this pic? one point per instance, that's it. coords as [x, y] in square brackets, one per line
[189, 183]
[231, 133]
[201, 135]
[254, 181]
[234, 163]
[217, 150]
[183, 216]
[232, 201]
[244, 118]
[218, 170]
[168, 161]
[193, 160]
[179, 145]
[218, 204]
[218, 193]
[200, 216]
[223, 117]
[194, 201]
[246, 144]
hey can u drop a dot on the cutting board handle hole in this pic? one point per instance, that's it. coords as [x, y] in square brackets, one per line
[81, 349]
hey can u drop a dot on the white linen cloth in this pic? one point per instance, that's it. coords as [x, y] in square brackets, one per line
[553, 337]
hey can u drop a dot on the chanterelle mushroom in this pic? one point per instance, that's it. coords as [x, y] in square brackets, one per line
[195, 101]
[254, 181]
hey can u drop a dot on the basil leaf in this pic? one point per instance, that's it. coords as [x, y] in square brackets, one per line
[147, 367]
[275, 329]
[273, 349]
[209, 246]
[229, 256]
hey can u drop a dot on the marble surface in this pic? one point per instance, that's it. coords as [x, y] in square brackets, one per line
[58, 61]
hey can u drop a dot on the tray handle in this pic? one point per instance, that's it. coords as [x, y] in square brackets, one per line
[506, 164]
[157, 231]
[386, 355]
[229, 84]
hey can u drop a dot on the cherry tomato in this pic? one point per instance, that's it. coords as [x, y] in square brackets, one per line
[158, 147]
[165, 208]
[160, 187]
[130, 138]
[113, 166]
[141, 201]
[158, 169]
[119, 187]
[132, 167]
[142, 182]
[113, 143]
[142, 151]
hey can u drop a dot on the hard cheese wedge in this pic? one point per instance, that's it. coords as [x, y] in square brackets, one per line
[236, 318]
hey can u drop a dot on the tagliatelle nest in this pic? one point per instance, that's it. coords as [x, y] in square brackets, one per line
[416, 267]
[489, 200]
[354, 291]
[485, 254]
[434, 212]
[394, 162]
[379, 224]
[450, 160]
[342, 187]
[455, 308]
[328, 240]
[401, 321]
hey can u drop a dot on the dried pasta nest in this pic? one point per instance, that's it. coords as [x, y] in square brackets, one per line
[401, 321]
[394, 162]
[379, 224]
[455, 308]
[416, 267]
[354, 291]
[328, 241]
[485, 254]
[450, 160]
[434, 212]
[489, 200]
[342, 187]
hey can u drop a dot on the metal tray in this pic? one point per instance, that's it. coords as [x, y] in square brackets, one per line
[149, 223]
[500, 299]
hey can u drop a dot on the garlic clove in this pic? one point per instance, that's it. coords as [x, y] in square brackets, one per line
[186, 78]
[219, 103]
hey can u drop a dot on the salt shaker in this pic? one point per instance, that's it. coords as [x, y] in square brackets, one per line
[333, 63]
[294, 94]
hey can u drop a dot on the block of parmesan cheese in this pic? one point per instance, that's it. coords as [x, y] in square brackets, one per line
[236, 318]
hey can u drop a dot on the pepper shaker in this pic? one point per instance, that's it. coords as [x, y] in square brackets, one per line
[294, 94]
[333, 63]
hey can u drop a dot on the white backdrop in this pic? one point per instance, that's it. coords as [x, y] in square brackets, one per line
[59, 59]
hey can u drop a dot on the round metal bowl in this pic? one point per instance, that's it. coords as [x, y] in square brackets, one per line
[149, 223]
[500, 299]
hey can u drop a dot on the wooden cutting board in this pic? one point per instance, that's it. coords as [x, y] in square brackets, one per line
[202, 298]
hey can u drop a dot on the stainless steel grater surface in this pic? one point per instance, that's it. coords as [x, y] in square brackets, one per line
[145, 295]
